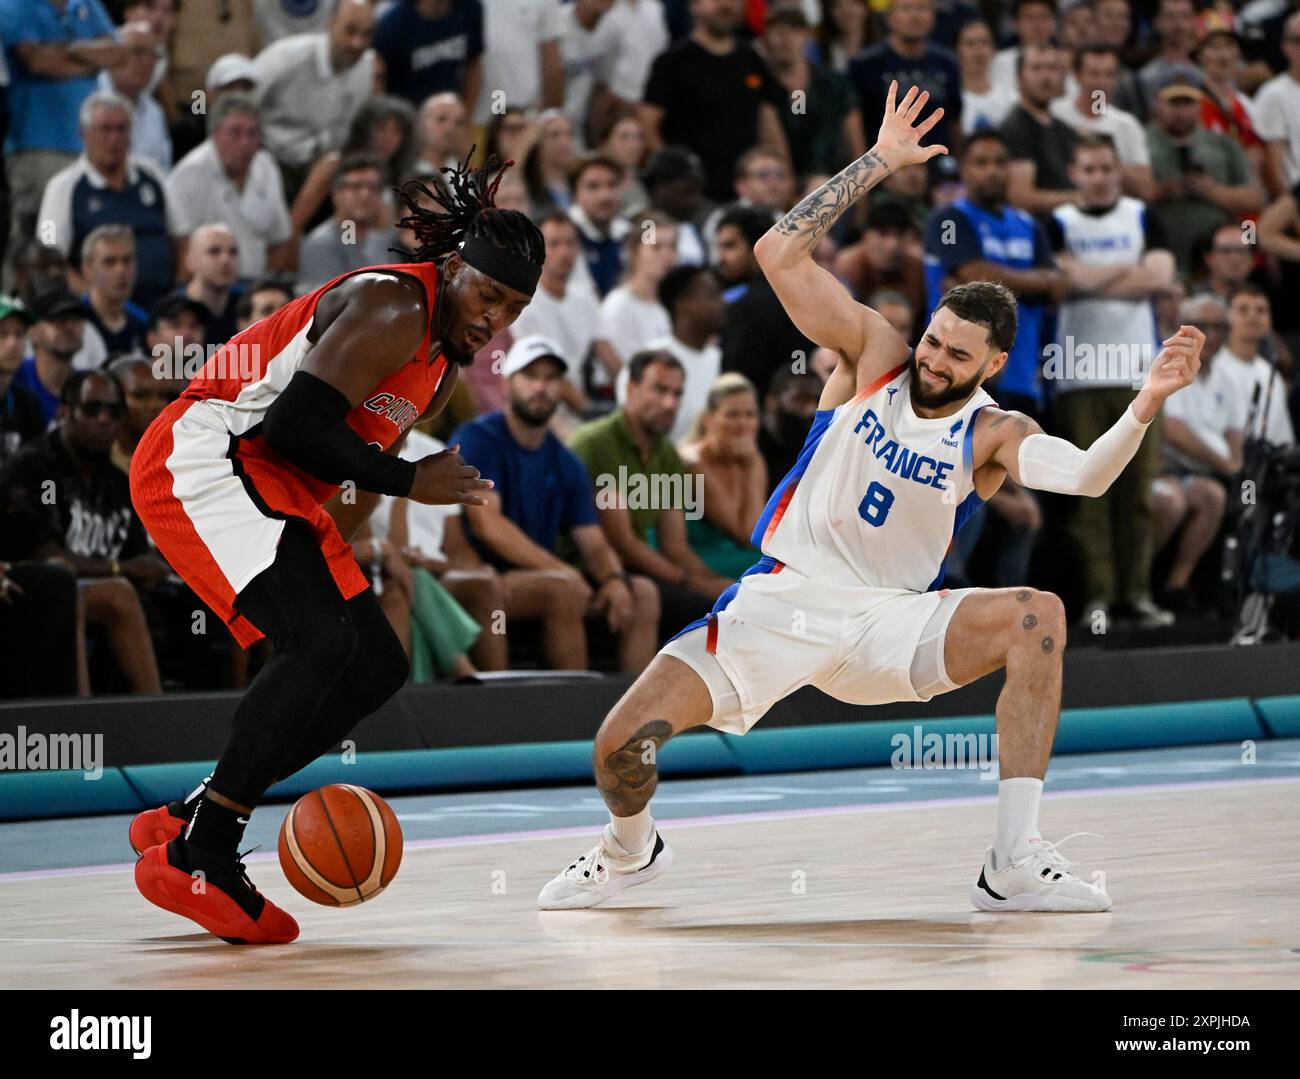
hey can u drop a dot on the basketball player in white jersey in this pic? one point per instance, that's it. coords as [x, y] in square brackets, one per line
[846, 596]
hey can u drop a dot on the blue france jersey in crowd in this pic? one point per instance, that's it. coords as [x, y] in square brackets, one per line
[1010, 238]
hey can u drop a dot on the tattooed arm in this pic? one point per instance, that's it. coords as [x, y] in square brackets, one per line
[818, 303]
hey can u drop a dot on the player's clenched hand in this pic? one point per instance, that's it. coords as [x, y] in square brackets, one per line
[1178, 362]
[444, 479]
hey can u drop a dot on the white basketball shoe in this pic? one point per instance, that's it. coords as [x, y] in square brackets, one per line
[604, 871]
[1038, 880]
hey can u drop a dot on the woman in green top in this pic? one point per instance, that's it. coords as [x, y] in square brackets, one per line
[723, 449]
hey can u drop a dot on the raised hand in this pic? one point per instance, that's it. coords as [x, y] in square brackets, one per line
[902, 129]
[443, 479]
[1177, 363]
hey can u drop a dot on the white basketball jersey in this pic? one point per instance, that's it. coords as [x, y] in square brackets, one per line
[878, 493]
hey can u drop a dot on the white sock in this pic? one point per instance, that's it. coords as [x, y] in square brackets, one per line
[633, 833]
[1017, 816]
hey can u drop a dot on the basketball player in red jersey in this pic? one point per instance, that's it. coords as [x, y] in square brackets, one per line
[231, 481]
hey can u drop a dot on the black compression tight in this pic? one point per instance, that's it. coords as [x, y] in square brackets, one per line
[334, 662]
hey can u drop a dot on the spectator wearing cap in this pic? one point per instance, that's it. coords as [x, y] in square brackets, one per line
[212, 258]
[229, 74]
[1092, 110]
[310, 85]
[429, 46]
[56, 337]
[565, 310]
[21, 416]
[542, 508]
[1224, 108]
[597, 186]
[145, 396]
[53, 51]
[131, 77]
[710, 75]
[984, 103]
[357, 234]
[674, 185]
[108, 185]
[522, 54]
[1175, 26]
[1040, 145]
[115, 324]
[1203, 179]
[631, 316]
[176, 325]
[885, 258]
[692, 296]
[628, 453]
[89, 525]
[909, 56]
[758, 337]
[826, 133]
[230, 179]
[1277, 109]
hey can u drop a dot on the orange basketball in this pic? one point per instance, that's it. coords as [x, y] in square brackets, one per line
[340, 845]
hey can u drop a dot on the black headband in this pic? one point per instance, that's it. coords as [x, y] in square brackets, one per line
[501, 264]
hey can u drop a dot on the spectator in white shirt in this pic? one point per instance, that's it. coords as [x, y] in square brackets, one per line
[563, 311]
[642, 35]
[131, 77]
[1202, 441]
[983, 102]
[521, 56]
[308, 86]
[1092, 111]
[589, 45]
[231, 179]
[631, 316]
[1277, 112]
[1259, 384]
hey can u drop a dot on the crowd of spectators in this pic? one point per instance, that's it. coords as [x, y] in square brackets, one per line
[177, 170]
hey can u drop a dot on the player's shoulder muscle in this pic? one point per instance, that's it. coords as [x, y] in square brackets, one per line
[995, 427]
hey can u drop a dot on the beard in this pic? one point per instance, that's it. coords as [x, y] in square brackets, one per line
[532, 415]
[946, 395]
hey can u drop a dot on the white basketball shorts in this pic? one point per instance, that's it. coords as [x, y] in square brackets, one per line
[782, 630]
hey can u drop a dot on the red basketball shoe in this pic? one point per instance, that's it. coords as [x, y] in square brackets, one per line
[157, 826]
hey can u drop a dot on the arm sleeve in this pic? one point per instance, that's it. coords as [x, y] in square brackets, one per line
[1048, 463]
[307, 426]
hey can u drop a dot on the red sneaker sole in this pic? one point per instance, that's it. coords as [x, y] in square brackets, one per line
[171, 889]
[152, 828]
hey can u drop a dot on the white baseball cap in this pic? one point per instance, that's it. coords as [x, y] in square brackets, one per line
[233, 67]
[529, 349]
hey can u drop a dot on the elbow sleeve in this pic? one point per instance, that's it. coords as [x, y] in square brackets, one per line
[307, 426]
[1053, 464]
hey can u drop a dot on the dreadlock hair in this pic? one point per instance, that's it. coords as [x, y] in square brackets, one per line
[463, 205]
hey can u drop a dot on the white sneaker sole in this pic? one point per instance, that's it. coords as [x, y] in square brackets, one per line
[1045, 903]
[593, 895]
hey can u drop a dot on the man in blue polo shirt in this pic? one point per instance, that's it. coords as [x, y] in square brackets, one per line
[981, 238]
[53, 49]
[543, 498]
[108, 185]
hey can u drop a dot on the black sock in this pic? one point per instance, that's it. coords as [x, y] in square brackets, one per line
[215, 829]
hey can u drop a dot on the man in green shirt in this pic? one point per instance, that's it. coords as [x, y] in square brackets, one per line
[1203, 178]
[643, 491]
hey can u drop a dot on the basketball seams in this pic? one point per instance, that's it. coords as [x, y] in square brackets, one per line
[343, 850]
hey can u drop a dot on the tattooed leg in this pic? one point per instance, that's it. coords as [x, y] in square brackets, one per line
[667, 699]
[1022, 630]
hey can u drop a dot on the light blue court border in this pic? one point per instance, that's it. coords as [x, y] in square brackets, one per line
[130, 788]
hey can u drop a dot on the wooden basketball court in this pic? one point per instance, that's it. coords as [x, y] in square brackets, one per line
[1205, 878]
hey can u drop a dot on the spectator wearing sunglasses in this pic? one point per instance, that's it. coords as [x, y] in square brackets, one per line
[146, 396]
[85, 521]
